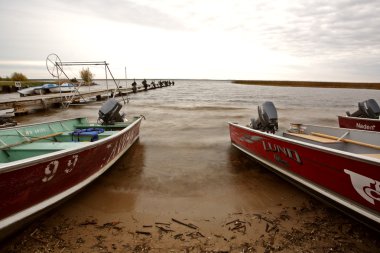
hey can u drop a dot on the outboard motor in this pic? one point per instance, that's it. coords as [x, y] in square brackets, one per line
[267, 121]
[109, 113]
[367, 109]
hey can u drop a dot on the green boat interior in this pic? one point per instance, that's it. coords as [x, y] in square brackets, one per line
[39, 139]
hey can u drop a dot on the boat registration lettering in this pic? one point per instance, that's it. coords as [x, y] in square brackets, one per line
[50, 171]
[366, 187]
[36, 131]
[71, 163]
[52, 168]
[120, 145]
[365, 127]
[289, 153]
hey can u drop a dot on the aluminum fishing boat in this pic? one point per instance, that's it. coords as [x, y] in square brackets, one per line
[42, 164]
[339, 165]
[365, 118]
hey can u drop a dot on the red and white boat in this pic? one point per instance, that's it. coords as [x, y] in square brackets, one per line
[335, 164]
[365, 118]
[42, 164]
[359, 123]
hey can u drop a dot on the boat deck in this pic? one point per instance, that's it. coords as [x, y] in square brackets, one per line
[48, 146]
[64, 141]
[359, 147]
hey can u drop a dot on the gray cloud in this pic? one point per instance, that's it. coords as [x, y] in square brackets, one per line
[338, 36]
[125, 12]
[326, 27]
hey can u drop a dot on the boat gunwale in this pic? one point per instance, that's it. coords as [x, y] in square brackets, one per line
[358, 118]
[21, 164]
[332, 151]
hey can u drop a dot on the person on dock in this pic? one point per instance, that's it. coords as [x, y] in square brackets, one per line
[144, 83]
[134, 86]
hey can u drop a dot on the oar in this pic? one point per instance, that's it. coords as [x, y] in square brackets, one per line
[346, 140]
[32, 140]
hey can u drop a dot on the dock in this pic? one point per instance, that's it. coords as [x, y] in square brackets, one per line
[28, 104]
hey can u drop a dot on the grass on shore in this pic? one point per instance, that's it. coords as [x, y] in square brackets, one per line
[375, 86]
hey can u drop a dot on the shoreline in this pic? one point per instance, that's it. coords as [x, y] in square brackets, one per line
[184, 168]
[307, 227]
[311, 84]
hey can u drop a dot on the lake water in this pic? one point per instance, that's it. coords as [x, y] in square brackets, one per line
[184, 153]
[184, 165]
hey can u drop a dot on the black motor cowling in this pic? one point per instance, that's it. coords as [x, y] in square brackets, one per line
[109, 112]
[268, 120]
[367, 109]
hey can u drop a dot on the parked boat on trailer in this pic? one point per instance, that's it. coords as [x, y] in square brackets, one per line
[334, 164]
[65, 87]
[365, 118]
[42, 164]
[37, 90]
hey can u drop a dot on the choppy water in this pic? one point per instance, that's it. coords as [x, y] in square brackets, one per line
[184, 163]
[307, 105]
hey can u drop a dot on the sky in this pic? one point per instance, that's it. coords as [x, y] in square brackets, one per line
[305, 40]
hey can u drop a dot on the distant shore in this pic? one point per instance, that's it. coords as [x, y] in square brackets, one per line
[346, 85]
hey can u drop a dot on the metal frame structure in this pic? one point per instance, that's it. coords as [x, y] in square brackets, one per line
[55, 68]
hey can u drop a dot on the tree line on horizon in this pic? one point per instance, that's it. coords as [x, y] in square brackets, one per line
[86, 75]
[16, 76]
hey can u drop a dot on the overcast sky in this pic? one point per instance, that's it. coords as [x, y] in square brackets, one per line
[320, 40]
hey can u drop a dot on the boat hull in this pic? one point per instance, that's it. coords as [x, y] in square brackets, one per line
[28, 91]
[359, 123]
[37, 184]
[350, 181]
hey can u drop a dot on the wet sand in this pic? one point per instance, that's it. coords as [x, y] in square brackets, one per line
[183, 188]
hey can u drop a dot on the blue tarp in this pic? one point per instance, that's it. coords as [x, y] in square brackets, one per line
[93, 132]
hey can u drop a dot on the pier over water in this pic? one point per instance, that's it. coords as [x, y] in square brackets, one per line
[40, 102]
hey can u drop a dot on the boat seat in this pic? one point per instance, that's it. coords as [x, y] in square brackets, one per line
[39, 148]
[312, 138]
[49, 145]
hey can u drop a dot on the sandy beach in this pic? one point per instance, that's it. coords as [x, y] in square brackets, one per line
[183, 188]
